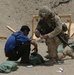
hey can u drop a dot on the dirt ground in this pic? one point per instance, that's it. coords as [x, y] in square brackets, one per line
[19, 12]
[67, 66]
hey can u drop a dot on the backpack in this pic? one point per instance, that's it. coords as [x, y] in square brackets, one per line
[36, 59]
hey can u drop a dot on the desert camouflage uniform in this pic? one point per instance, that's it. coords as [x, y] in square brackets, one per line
[52, 41]
[66, 52]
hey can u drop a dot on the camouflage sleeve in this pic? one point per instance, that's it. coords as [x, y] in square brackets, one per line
[58, 28]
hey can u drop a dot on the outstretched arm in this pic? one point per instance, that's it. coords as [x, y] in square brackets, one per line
[35, 46]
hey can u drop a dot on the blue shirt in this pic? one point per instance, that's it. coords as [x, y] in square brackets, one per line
[15, 39]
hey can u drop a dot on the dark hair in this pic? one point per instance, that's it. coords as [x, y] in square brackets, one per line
[25, 27]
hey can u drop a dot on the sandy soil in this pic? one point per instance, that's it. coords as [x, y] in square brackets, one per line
[19, 12]
[40, 70]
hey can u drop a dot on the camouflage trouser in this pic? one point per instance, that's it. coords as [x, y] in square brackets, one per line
[52, 45]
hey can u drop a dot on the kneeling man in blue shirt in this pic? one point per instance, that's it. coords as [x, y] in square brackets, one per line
[18, 45]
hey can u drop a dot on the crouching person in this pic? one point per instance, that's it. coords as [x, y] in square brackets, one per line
[18, 45]
[49, 27]
[66, 52]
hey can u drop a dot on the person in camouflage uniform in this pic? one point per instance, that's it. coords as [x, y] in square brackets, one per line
[52, 41]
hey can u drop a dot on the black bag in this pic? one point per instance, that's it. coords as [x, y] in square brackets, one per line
[36, 59]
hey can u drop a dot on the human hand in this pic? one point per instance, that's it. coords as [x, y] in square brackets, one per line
[35, 50]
